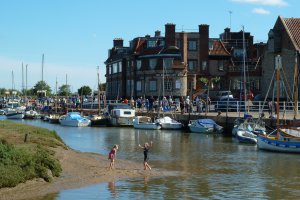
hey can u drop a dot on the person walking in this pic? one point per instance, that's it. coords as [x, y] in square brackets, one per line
[112, 155]
[146, 148]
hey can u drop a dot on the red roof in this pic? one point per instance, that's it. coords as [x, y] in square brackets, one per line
[293, 28]
[218, 49]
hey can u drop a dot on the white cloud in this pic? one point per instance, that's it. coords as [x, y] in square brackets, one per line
[261, 11]
[279, 3]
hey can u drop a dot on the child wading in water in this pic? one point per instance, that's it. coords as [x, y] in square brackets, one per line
[112, 155]
[146, 148]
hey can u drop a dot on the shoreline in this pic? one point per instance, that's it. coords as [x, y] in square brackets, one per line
[78, 169]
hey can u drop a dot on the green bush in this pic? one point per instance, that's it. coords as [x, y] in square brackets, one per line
[18, 165]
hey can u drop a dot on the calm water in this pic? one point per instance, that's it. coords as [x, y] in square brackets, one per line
[208, 166]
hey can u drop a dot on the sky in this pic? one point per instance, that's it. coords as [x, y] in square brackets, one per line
[75, 35]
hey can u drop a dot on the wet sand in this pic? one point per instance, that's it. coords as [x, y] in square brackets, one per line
[79, 169]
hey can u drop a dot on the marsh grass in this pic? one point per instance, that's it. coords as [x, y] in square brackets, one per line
[21, 161]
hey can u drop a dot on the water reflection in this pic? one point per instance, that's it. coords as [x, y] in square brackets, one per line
[208, 166]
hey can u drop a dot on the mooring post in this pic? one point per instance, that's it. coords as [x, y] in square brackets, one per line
[25, 139]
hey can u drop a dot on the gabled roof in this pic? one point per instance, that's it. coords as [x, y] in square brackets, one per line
[218, 49]
[292, 26]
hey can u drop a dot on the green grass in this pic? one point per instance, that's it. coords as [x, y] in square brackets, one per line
[21, 161]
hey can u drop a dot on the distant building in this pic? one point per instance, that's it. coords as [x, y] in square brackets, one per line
[283, 40]
[169, 65]
[235, 42]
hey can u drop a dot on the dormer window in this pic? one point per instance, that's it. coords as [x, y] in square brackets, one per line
[151, 43]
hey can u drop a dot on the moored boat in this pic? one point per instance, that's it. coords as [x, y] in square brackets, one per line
[167, 122]
[145, 122]
[204, 126]
[74, 119]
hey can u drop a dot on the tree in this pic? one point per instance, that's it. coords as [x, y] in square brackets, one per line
[64, 90]
[102, 86]
[84, 90]
[42, 85]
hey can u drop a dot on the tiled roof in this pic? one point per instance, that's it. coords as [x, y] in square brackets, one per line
[293, 28]
[218, 49]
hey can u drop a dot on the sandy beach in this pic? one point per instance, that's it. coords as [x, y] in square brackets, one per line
[79, 169]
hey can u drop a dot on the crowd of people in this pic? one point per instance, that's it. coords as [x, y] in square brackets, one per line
[183, 104]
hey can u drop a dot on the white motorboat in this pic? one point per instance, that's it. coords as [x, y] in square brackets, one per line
[144, 122]
[120, 114]
[74, 119]
[168, 123]
[248, 130]
[204, 126]
[15, 114]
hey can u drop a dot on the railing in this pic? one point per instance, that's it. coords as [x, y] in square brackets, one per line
[214, 106]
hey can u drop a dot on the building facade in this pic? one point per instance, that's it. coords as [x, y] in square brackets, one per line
[169, 65]
[283, 40]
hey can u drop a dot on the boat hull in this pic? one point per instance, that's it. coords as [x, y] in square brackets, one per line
[15, 115]
[244, 136]
[271, 144]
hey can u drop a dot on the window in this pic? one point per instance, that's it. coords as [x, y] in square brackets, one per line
[115, 68]
[168, 85]
[152, 85]
[161, 43]
[177, 84]
[152, 63]
[204, 65]
[220, 65]
[151, 43]
[138, 64]
[139, 86]
[192, 65]
[120, 67]
[168, 62]
[192, 45]
[178, 43]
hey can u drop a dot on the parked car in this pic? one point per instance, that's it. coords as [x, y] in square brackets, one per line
[233, 104]
[224, 95]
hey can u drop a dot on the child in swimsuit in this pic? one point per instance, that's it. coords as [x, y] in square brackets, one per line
[112, 155]
[146, 148]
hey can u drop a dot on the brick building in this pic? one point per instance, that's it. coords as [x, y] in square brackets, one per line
[283, 40]
[169, 65]
[233, 42]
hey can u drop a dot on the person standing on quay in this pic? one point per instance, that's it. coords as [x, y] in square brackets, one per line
[146, 148]
[112, 155]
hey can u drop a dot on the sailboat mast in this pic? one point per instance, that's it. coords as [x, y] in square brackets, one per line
[56, 100]
[98, 86]
[244, 69]
[43, 67]
[67, 99]
[278, 59]
[295, 86]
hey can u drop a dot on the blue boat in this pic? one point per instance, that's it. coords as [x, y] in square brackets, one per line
[279, 143]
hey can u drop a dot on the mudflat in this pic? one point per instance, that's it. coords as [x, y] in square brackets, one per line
[78, 169]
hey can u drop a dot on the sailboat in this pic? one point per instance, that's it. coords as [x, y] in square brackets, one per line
[284, 138]
[167, 122]
[99, 119]
[246, 129]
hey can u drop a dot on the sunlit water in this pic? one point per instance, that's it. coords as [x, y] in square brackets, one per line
[208, 166]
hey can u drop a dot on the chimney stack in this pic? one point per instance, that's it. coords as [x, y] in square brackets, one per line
[118, 42]
[157, 33]
[170, 34]
[203, 42]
